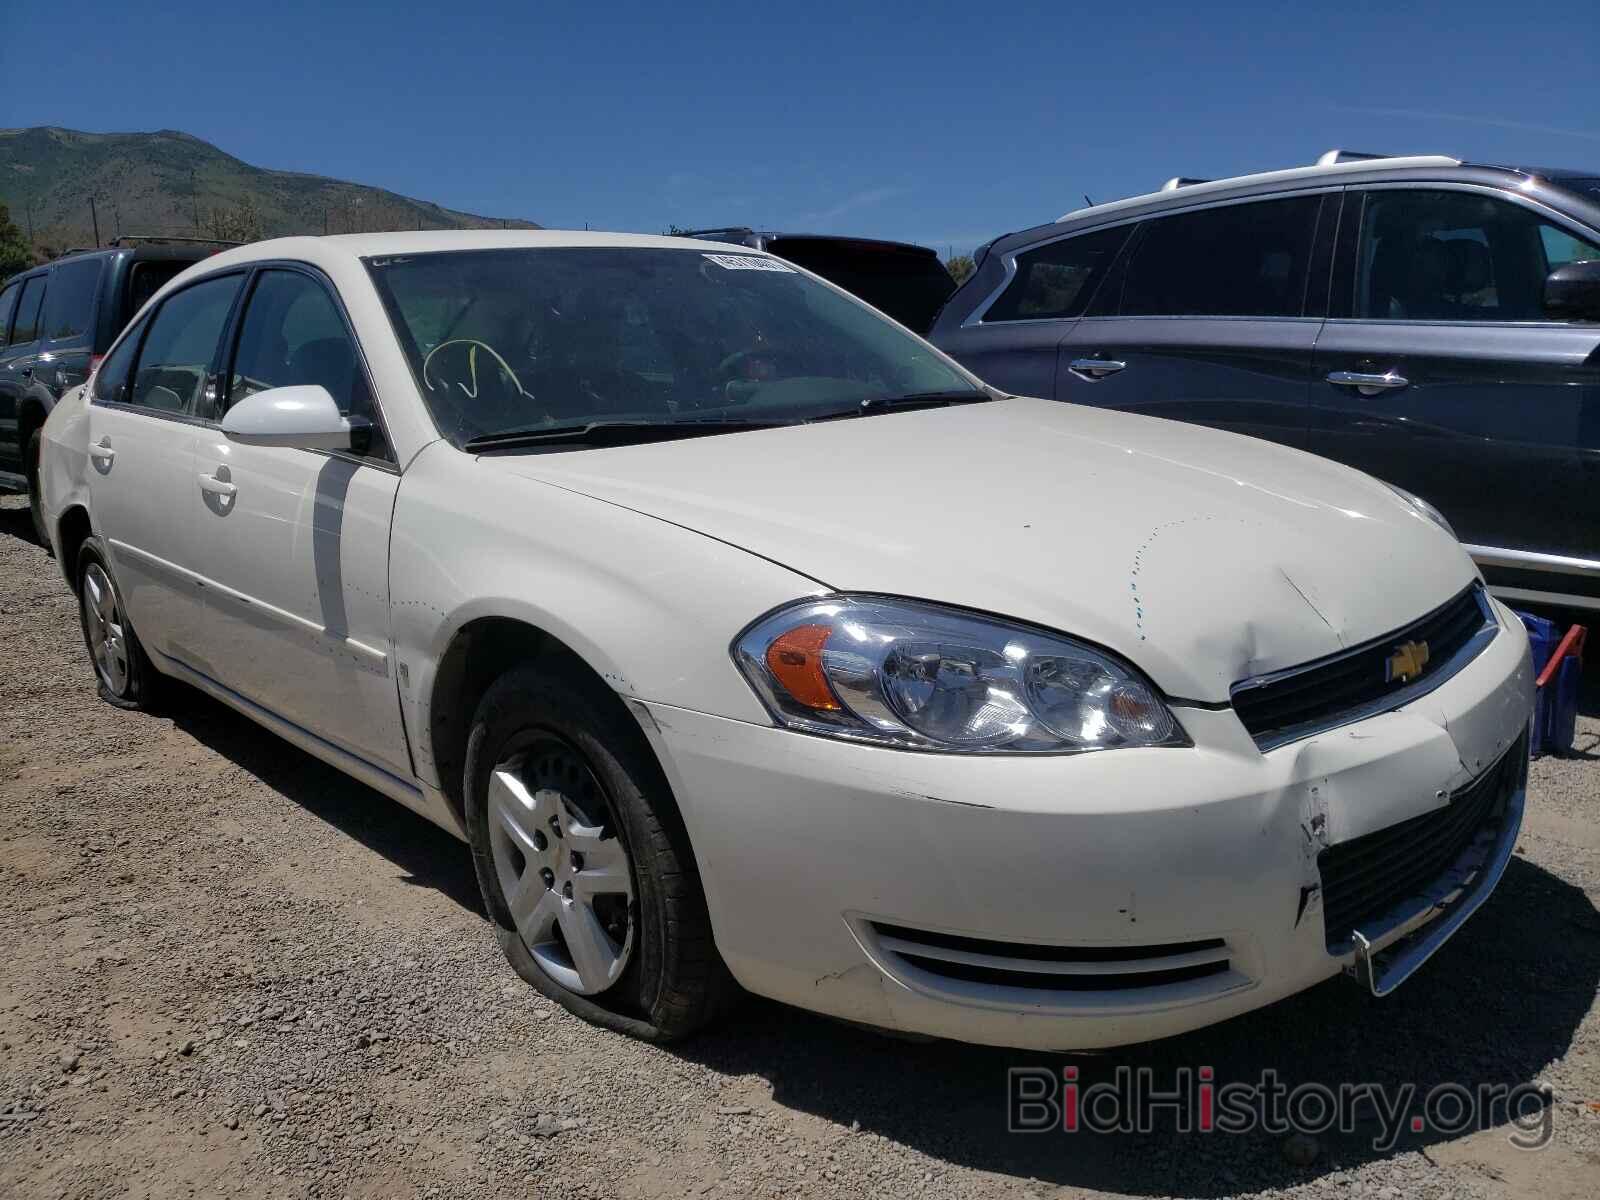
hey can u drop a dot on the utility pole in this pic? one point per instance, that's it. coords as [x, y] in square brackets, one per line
[29, 209]
[94, 215]
[194, 201]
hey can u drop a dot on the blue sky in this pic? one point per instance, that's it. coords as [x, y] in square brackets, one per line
[934, 122]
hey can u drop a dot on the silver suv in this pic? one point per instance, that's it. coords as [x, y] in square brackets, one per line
[1433, 322]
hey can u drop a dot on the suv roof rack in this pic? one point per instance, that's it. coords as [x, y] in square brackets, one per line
[127, 239]
[1333, 158]
[1334, 162]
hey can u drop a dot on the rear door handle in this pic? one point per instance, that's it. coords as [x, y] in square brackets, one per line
[217, 487]
[1096, 368]
[1367, 383]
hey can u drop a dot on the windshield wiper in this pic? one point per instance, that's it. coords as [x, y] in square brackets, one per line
[610, 433]
[874, 404]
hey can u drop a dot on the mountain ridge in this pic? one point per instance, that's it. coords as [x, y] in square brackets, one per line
[173, 183]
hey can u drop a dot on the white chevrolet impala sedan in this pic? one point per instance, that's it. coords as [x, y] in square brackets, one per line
[748, 640]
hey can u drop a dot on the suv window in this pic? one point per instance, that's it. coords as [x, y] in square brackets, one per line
[26, 327]
[293, 334]
[74, 287]
[146, 277]
[111, 380]
[1239, 260]
[1456, 256]
[8, 301]
[1057, 280]
[180, 346]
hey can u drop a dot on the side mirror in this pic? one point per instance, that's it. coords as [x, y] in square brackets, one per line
[304, 415]
[1572, 292]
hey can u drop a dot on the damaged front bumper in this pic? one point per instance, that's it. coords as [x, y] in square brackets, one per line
[1390, 948]
[1082, 901]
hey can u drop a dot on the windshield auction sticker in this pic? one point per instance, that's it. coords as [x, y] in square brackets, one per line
[749, 262]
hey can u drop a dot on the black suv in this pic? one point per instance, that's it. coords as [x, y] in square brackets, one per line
[1434, 323]
[906, 281]
[56, 321]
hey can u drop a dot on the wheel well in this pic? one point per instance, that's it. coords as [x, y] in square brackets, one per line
[480, 653]
[72, 529]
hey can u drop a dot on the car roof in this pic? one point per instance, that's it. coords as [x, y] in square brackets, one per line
[347, 246]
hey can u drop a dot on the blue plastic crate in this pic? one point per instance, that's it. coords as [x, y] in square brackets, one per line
[1555, 708]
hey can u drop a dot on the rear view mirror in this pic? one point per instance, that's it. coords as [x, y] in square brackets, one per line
[1572, 292]
[304, 415]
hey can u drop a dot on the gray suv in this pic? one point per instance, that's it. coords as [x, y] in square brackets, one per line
[1432, 322]
[56, 320]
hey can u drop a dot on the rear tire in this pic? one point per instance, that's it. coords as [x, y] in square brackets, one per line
[122, 669]
[35, 493]
[573, 830]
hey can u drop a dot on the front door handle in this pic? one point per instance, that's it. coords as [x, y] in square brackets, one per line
[1096, 368]
[103, 451]
[1367, 383]
[218, 487]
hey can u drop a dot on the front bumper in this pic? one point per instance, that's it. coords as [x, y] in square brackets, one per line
[1166, 889]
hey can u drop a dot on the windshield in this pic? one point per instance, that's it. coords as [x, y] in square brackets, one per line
[513, 340]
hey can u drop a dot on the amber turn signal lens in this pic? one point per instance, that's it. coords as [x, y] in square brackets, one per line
[795, 660]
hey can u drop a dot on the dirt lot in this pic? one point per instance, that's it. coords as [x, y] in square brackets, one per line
[229, 970]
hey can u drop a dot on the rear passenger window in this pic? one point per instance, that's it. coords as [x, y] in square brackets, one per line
[181, 344]
[1239, 260]
[1058, 279]
[293, 334]
[74, 287]
[8, 302]
[26, 327]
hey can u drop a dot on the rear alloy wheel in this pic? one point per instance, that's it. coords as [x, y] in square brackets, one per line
[124, 672]
[565, 874]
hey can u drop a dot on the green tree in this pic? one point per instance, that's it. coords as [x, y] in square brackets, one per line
[15, 253]
[960, 267]
[239, 222]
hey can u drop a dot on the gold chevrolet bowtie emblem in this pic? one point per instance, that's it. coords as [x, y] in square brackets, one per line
[1406, 663]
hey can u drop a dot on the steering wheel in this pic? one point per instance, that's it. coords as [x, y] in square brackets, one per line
[476, 402]
[472, 366]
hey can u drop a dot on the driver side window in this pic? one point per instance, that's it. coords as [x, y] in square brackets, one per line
[293, 334]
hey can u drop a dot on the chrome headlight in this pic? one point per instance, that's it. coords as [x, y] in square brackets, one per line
[1418, 504]
[924, 677]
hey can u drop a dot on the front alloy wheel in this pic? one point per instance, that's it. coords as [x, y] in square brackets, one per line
[565, 874]
[583, 858]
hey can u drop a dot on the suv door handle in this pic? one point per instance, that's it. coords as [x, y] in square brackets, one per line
[1096, 368]
[103, 451]
[217, 487]
[1366, 383]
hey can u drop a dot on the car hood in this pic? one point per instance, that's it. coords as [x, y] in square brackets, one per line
[1202, 557]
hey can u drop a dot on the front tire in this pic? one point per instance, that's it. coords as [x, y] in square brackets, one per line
[584, 866]
[122, 669]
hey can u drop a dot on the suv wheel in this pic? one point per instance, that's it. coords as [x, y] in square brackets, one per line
[125, 675]
[583, 864]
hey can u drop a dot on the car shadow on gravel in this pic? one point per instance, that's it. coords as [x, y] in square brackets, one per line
[426, 855]
[1499, 1002]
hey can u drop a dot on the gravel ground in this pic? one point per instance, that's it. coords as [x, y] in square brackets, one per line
[229, 970]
